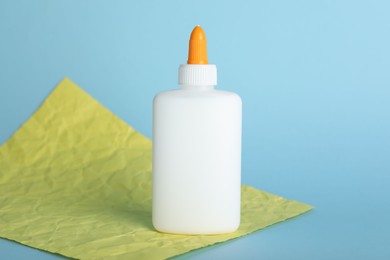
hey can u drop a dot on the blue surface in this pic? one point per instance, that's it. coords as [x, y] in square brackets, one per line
[314, 77]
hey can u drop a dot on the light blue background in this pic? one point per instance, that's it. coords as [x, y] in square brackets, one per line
[314, 77]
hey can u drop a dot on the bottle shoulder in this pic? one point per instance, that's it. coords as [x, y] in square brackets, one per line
[197, 94]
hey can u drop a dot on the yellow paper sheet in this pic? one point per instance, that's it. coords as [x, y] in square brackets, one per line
[76, 180]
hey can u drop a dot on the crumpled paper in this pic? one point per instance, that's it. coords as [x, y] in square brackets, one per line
[76, 180]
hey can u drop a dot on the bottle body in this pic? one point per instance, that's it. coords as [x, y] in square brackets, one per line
[196, 161]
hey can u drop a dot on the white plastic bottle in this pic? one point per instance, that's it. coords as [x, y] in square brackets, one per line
[197, 151]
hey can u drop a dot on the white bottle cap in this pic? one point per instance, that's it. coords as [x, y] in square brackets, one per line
[198, 74]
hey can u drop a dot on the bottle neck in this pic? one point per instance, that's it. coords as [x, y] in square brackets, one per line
[197, 87]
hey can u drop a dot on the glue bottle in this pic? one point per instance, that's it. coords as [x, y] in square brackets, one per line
[197, 151]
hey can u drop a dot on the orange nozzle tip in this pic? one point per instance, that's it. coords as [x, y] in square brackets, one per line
[197, 53]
